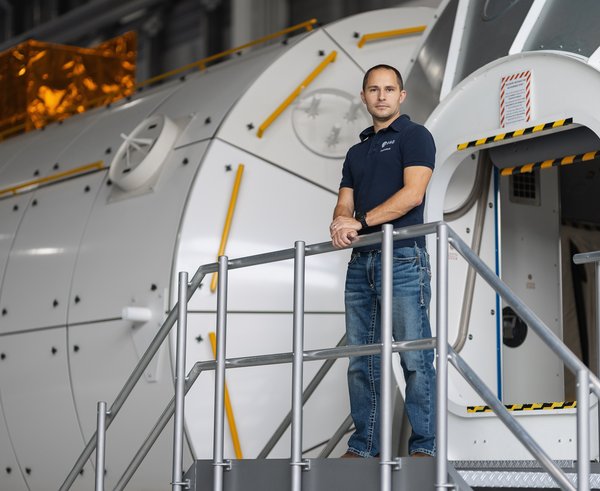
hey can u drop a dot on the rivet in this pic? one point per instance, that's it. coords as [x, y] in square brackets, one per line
[54, 350]
[228, 168]
[27, 471]
[55, 303]
[128, 98]
[77, 299]
[250, 126]
[492, 312]
[108, 150]
[207, 120]
[86, 189]
[490, 205]
[199, 339]
[284, 42]
[239, 53]
[81, 471]
[15, 207]
[153, 287]
[55, 166]
[356, 35]
[468, 230]
[108, 106]
[108, 182]
[2, 356]
[182, 78]
[321, 52]
[36, 173]
[8, 470]
[76, 348]
[34, 202]
[185, 161]
[4, 312]
[470, 336]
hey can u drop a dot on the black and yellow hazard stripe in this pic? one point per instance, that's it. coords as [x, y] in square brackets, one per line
[545, 164]
[515, 133]
[534, 406]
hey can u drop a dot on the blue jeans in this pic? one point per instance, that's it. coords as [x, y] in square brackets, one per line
[411, 296]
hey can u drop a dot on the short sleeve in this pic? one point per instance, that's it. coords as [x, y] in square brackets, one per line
[347, 180]
[418, 147]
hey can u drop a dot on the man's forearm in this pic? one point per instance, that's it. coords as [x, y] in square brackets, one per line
[394, 207]
[342, 211]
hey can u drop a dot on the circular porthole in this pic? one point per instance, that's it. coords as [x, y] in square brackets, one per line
[514, 329]
[142, 152]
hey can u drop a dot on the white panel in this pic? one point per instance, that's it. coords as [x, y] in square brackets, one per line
[35, 291]
[261, 396]
[198, 100]
[103, 361]
[338, 85]
[126, 253]
[530, 266]
[11, 476]
[394, 51]
[274, 209]
[102, 136]
[41, 149]
[11, 147]
[11, 214]
[38, 406]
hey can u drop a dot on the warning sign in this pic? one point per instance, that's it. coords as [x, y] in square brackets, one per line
[515, 99]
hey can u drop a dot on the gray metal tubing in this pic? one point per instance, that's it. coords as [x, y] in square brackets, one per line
[586, 257]
[177, 471]
[336, 437]
[262, 360]
[532, 320]
[310, 389]
[163, 420]
[583, 430]
[491, 400]
[297, 366]
[100, 445]
[467, 303]
[463, 208]
[442, 358]
[387, 258]
[219, 429]
[136, 374]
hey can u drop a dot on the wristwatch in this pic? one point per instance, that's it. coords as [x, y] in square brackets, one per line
[362, 218]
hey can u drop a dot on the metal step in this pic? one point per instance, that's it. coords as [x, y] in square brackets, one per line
[524, 475]
[321, 475]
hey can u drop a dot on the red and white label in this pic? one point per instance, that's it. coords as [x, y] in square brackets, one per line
[515, 99]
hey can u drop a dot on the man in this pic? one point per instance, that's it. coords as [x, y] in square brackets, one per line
[384, 179]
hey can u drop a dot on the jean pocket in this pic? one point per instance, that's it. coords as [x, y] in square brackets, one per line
[353, 259]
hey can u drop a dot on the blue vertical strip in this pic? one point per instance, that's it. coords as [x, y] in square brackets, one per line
[498, 312]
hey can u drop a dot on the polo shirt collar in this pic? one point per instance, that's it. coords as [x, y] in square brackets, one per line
[396, 126]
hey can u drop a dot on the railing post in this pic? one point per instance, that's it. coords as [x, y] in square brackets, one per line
[387, 248]
[442, 358]
[177, 472]
[100, 445]
[583, 430]
[219, 418]
[297, 366]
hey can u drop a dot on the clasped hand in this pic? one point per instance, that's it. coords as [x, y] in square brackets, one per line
[343, 231]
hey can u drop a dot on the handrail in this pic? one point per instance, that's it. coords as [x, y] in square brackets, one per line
[201, 64]
[305, 83]
[389, 34]
[445, 236]
[328, 354]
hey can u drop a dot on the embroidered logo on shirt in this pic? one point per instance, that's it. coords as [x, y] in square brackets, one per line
[385, 144]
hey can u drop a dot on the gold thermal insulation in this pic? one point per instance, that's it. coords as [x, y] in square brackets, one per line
[43, 82]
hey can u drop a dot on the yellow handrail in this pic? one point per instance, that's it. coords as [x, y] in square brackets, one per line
[99, 165]
[201, 64]
[389, 34]
[305, 83]
[228, 219]
[228, 407]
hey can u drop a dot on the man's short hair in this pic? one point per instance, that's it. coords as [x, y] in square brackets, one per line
[383, 67]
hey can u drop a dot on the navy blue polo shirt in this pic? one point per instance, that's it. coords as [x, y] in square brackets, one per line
[374, 169]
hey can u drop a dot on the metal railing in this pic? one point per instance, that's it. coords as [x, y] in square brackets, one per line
[445, 354]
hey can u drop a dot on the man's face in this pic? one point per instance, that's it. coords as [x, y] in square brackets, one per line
[382, 95]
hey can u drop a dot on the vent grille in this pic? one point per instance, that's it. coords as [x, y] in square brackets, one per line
[525, 188]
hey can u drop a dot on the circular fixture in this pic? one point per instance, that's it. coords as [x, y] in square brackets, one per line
[328, 121]
[142, 152]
